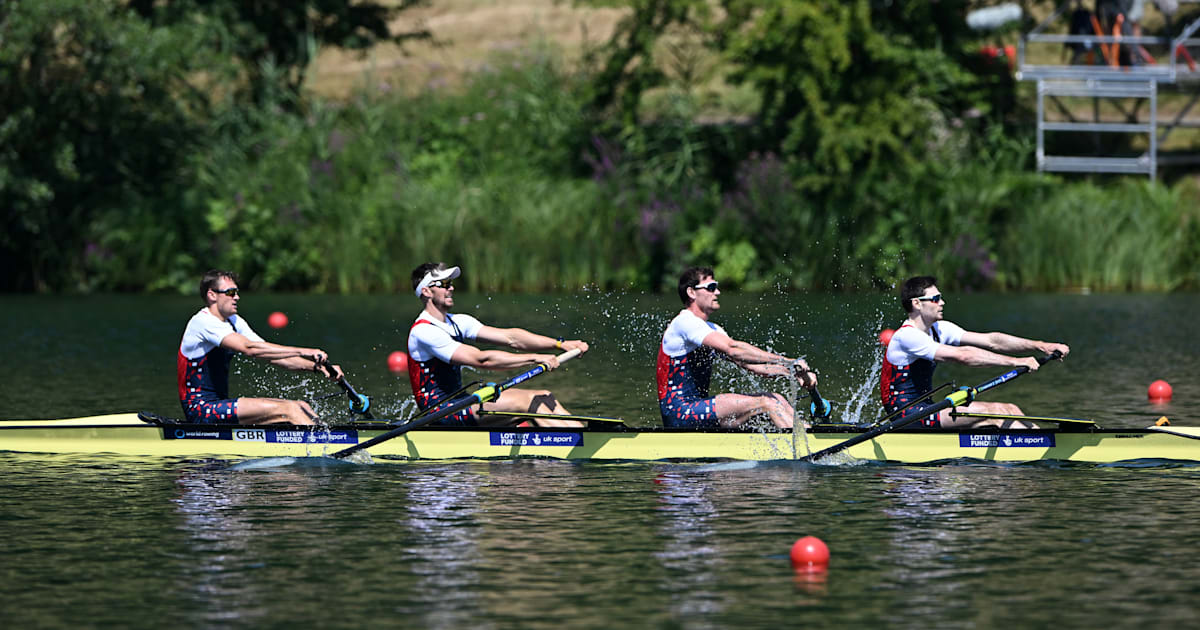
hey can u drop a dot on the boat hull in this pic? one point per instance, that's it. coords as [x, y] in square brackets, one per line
[126, 434]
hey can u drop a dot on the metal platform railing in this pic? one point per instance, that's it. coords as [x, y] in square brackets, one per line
[1123, 83]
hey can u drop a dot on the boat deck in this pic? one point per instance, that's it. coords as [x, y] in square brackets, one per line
[127, 434]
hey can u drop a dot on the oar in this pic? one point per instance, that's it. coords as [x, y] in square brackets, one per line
[552, 416]
[819, 408]
[484, 394]
[358, 403]
[960, 397]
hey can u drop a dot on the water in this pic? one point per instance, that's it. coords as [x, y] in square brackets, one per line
[97, 541]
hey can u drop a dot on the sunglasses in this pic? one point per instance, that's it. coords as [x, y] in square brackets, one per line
[445, 284]
[936, 297]
[711, 286]
[231, 291]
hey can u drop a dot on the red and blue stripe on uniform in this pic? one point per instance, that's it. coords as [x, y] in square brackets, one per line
[899, 386]
[204, 387]
[683, 384]
[433, 380]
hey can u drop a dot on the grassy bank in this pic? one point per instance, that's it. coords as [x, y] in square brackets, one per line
[507, 178]
[513, 145]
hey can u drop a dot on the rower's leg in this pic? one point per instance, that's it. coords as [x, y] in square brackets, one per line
[532, 401]
[274, 411]
[1007, 409]
[734, 410]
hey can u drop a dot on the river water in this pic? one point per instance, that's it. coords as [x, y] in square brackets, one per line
[95, 541]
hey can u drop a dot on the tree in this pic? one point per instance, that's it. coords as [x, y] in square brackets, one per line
[95, 109]
[104, 104]
[276, 40]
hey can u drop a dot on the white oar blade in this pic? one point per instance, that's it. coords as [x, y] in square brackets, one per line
[264, 463]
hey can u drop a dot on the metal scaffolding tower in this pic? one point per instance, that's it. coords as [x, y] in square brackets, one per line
[1118, 76]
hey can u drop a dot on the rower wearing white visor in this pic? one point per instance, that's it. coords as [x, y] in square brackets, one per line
[438, 348]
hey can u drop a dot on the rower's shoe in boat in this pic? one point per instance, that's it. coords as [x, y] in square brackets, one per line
[155, 419]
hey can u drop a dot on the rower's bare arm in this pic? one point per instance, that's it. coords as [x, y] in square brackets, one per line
[1004, 342]
[498, 359]
[757, 360]
[289, 357]
[521, 339]
[978, 357]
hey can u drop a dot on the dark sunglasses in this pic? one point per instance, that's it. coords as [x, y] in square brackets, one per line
[936, 297]
[231, 291]
[711, 286]
[445, 284]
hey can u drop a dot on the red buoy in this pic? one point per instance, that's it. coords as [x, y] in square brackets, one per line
[885, 337]
[809, 551]
[1160, 391]
[397, 362]
[277, 320]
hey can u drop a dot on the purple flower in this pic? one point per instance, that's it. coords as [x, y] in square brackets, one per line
[605, 159]
[321, 167]
[97, 251]
[337, 142]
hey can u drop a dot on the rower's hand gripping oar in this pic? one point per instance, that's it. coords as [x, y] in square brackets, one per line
[819, 408]
[359, 403]
[484, 394]
[959, 397]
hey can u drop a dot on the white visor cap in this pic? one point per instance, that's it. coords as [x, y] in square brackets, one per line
[438, 274]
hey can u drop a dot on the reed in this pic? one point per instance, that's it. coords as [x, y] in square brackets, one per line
[508, 178]
[1125, 237]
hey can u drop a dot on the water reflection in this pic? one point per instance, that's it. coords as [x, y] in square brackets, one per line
[691, 555]
[251, 540]
[220, 544]
[443, 554]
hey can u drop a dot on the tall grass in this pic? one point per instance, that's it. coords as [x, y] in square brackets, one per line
[350, 199]
[510, 179]
[1130, 236]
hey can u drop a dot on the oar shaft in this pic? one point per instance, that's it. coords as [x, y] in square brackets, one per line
[955, 398]
[484, 394]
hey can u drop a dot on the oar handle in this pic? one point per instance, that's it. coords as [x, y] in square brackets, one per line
[818, 407]
[959, 397]
[359, 403]
[483, 394]
[562, 358]
[999, 380]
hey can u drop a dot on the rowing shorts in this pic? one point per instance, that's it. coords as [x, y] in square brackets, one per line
[211, 412]
[928, 422]
[460, 418]
[697, 414]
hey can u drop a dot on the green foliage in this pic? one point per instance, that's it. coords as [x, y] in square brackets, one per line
[131, 159]
[838, 96]
[98, 113]
[350, 199]
[274, 41]
[1130, 236]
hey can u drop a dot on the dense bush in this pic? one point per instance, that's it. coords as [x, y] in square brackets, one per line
[857, 171]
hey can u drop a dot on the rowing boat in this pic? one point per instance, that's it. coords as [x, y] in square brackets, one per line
[145, 435]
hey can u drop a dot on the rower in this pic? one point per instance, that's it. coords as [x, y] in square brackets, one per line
[212, 336]
[685, 360]
[926, 338]
[437, 351]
